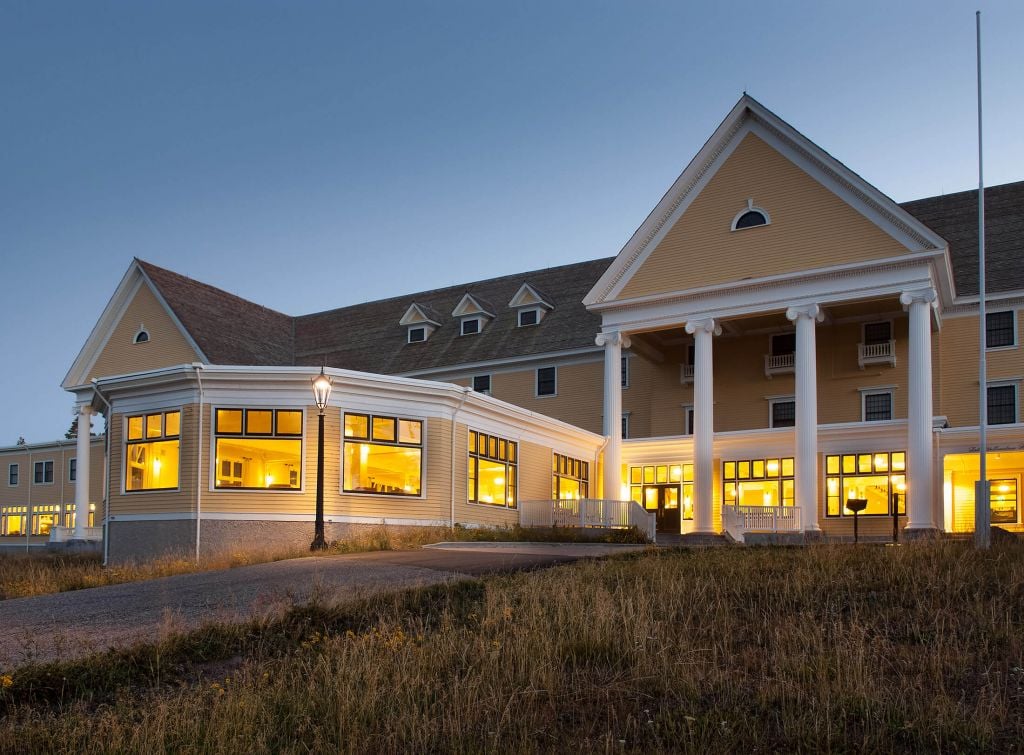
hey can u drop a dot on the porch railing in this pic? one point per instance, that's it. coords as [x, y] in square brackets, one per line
[876, 353]
[686, 373]
[776, 364]
[739, 520]
[587, 512]
[59, 534]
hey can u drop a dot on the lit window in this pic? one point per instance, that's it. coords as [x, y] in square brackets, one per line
[383, 455]
[783, 413]
[42, 473]
[880, 478]
[547, 381]
[528, 317]
[470, 326]
[1003, 501]
[12, 474]
[482, 383]
[758, 482]
[657, 487]
[999, 329]
[493, 465]
[151, 451]
[877, 406]
[1002, 404]
[570, 478]
[13, 520]
[69, 515]
[258, 449]
[44, 518]
[416, 335]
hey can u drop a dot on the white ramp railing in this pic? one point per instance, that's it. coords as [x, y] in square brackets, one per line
[59, 534]
[739, 520]
[587, 512]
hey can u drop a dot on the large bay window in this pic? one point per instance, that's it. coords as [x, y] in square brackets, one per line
[151, 451]
[13, 520]
[258, 449]
[44, 518]
[570, 478]
[383, 455]
[493, 464]
[758, 482]
[880, 478]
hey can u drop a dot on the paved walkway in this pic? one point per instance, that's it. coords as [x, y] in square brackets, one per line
[72, 624]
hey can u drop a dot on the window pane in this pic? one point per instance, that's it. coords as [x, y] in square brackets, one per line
[261, 463]
[482, 383]
[730, 470]
[787, 467]
[151, 466]
[873, 488]
[172, 424]
[877, 332]
[772, 468]
[877, 407]
[492, 483]
[512, 447]
[832, 464]
[784, 414]
[648, 475]
[687, 472]
[410, 431]
[899, 461]
[389, 470]
[528, 317]
[675, 473]
[492, 447]
[751, 219]
[999, 329]
[470, 326]
[229, 421]
[471, 480]
[259, 422]
[356, 426]
[634, 475]
[289, 422]
[661, 474]
[384, 428]
[743, 470]
[546, 381]
[758, 469]
[1002, 404]
[1003, 500]
[154, 425]
[881, 462]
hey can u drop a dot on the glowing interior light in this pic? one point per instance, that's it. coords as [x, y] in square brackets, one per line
[833, 486]
[880, 461]
[270, 480]
[364, 452]
[156, 467]
[772, 467]
[499, 480]
[730, 492]
[767, 497]
[1004, 488]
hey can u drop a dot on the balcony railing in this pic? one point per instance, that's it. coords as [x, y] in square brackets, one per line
[739, 520]
[587, 512]
[876, 353]
[685, 373]
[777, 364]
[60, 534]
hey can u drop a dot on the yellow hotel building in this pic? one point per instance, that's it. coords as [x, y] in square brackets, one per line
[777, 338]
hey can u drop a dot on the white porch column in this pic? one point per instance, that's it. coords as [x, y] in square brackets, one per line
[613, 343]
[703, 424]
[920, 514]
[806, 460]
[82, 471]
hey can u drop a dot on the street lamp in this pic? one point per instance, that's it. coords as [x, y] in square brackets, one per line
[321, 394]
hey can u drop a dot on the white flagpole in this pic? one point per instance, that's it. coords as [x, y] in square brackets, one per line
[982, 510]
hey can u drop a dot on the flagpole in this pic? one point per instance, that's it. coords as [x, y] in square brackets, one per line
[982, 510]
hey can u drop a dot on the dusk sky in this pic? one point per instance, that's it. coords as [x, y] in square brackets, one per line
[312, 155]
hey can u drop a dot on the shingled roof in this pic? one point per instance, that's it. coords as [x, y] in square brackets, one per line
[955, 218]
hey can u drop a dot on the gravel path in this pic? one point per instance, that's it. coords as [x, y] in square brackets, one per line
[68, 625]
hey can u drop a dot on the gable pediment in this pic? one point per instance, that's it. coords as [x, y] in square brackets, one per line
[528, 296]
[418, 314]
[469, 306]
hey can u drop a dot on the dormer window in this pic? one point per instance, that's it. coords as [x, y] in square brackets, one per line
[420, 322]
[750, 217]
[417, 334]
[473, 314]
[530, 306]
[142, 336]
[528, 317]
[470, 326]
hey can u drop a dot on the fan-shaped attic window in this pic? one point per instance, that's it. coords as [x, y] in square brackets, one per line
[142, 336]
[750, 217]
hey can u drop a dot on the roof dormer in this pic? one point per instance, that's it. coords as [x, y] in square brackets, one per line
[420, 322]
[530, 306]
[473, 314]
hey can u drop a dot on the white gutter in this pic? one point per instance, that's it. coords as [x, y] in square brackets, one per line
[597, 461]
[465, 394]
[198, 367]
[106, 473]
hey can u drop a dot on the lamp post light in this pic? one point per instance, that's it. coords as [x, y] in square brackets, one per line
[321, 394]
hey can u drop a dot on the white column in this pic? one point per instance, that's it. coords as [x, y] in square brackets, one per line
[703, 424]
[806, 459]
[82, 471]
[920, 514]
[613, 343]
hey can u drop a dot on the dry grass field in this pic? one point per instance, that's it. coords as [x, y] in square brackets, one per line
[842, 648]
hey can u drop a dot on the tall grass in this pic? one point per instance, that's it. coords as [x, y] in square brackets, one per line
[757, 650]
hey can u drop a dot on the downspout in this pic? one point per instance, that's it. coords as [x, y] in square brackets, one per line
[106, 472]
[597, 462]
[466, 390]
[197, 366]
[28, 517]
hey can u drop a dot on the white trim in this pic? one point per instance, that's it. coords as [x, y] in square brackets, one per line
[12, 466]
[536, 382]
[887, 390]
[687, 423]
[53, 472]
[469, 305]
[528, 296]
[426, 333]
[163, 438]
[1016, 339]
[539, 311]
[415, 315]
[772, 401]
[624, 423]
[479, 325]
[423, 447]
[216, 404]
[1003, 383]
[490, 383]
[250, 517]
[751, 207]
[139, 332]
[587, 355]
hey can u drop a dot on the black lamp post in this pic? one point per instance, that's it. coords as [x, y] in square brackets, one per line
[321, 394]
[856, 505]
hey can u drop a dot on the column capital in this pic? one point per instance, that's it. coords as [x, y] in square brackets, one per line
[83, 409]
[613, 338]
[710, 325]
[810, 311]
[920, 295]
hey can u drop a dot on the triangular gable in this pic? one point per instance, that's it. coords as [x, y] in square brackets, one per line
[528, 296]
[748, 124]
[419, 315]
[135, 304]
[469, 305]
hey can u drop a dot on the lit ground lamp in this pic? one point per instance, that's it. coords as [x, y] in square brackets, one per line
[856, 505]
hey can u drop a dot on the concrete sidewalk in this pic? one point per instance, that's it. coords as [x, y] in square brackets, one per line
[69, 625]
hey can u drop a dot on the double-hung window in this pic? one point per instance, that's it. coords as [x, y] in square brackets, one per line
[783, 412]
[42, 473]
[547, 381]
[383, 455]
[73, 470]
[999, 330]
[258, 449]
[1002, 404]
[152, 451]
[12, 474]
[877, 406]
[493, 468]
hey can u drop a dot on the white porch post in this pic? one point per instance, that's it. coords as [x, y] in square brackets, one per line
[613, 343]
[703, 424]
[920, 514]
[82, 471]
[806, 485]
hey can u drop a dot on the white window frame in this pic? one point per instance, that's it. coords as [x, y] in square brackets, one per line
[687, 423]
[536, 382]
[519, 317]
[53, 475]
[1015, 383]
[751, 207]
[771, 409]
[490, 383]
[624, 371]
[142, 330]
[408, 336]
[73, 469]
[479, 326]
[1009, 346]
[624, 425]
[12, 467]
[865, 392]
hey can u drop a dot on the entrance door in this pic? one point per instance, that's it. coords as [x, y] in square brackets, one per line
[664, 500]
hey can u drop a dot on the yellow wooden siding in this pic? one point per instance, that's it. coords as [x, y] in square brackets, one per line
[810, 228]
[166, 345]
[480, 513]
[62, 490]
[580, 393]
[958, 371]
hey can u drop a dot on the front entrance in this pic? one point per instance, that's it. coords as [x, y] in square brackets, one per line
[664, 500]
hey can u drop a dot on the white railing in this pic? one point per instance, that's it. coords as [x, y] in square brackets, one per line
[63, 534]
[587, 512]
[876, 353]
[775, 364]
[686, 373]
[739, 520]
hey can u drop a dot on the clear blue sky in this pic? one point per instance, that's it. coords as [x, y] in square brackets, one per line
[310, 155]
